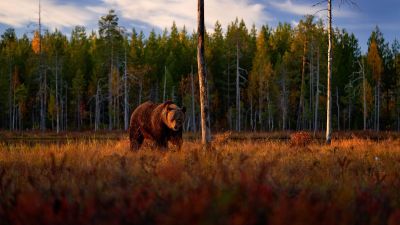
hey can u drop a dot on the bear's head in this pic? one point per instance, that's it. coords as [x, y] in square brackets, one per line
[173, 116]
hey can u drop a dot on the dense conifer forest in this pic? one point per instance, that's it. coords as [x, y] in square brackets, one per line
[271, 78]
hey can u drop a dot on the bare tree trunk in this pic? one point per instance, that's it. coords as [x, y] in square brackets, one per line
[229, 99]
[21, 126]
[338, 108]
[10, 106]
[237, 89]
[270, 122]
[260, 101]
[300, 115]
[251, 113]
[284, 105]
[45, 98]
[140, 91]
[193, 119]
[66, 108]
[42, 82]
[97, 108]
[374, 117]
[398, 117]
[316, 97]
[311, 85]
[78, 112]
[205, 129]
[364, 96]
[13, 107]
[61, 103]
[397, 93]
[329, 79]
[351, 109]
[110, 97]
[165, 82]
[126, 104]
[378, 105]
[57, 98]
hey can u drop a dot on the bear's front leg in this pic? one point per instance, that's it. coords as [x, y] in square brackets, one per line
[162, 144]
[136, 138]
[177, 141]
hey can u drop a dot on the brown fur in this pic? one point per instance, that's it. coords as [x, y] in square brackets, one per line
[157, 122]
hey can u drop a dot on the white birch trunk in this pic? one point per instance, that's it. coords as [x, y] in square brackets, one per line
[329, 78]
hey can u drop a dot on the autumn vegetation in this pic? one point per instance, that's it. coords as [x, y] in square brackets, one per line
[254, 181]
[262, 92]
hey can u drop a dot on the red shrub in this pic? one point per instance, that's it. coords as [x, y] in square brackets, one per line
[301, 138]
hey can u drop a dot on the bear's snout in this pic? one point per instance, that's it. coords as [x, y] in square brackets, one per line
[176, 127]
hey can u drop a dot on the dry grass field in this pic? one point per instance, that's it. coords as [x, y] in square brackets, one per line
[352, 181]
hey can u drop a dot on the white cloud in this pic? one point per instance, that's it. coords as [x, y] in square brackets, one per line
[308, 9]
[161, 13]
[156, 13]
[19, 13]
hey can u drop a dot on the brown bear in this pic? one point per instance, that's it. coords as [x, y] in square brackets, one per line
[158, 122]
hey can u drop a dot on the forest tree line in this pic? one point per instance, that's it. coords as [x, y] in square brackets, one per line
[258, 80]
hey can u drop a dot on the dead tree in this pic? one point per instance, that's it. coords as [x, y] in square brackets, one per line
[329, 80]
[329, 76]
[205, 129]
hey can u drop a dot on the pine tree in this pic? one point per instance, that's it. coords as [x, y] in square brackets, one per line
[110, 33]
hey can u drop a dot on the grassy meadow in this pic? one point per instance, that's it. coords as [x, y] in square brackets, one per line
[249, 181]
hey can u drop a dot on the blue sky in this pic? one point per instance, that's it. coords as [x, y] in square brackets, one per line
[158, 14]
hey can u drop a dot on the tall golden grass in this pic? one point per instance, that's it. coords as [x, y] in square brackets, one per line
[352, 181]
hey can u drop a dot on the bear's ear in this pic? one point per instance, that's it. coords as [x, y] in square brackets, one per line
[168, 102]
[183, 109]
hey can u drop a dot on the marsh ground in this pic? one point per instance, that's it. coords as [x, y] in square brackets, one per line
[251, 181]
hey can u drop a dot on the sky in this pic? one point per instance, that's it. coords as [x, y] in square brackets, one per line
[146, 15]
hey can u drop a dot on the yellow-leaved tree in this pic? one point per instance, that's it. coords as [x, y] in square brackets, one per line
[36, 43]
[260, 79]
[375, 65]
